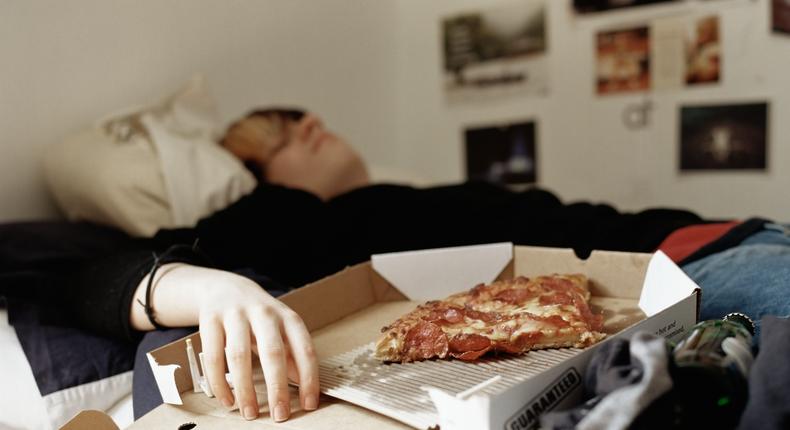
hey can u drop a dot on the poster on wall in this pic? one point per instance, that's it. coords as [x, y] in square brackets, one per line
[587, 6]
[503, 154]
[496, 52]
[623, 60]
[780, 16]
[723, 137]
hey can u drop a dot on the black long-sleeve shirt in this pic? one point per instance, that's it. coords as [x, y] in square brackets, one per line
[294, 237]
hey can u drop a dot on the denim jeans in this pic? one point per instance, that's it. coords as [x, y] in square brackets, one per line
[752, 278]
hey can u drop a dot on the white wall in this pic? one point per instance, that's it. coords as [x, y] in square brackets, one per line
[585, 152]
[63, 64]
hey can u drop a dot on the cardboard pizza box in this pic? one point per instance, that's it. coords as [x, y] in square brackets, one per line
[90, 419]
[345, 311]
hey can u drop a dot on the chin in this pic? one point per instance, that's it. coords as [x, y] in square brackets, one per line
[343, 184]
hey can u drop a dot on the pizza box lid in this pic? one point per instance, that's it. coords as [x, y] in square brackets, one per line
[415, 274]
[431, 274]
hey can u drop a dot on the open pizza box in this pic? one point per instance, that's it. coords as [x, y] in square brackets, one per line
[345, 311]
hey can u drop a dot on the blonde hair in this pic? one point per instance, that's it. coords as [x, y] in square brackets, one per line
[255, 138]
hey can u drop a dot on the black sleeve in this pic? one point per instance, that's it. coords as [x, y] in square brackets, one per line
[283, 233]
[390, 218]
[103, 289]
[265, 231]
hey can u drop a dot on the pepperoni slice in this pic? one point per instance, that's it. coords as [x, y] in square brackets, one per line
[470, 355]
[524, 341]
[469, 342]
[425, 340]
[594, 322]
[469, 346]
[558, 284]
[515, 296]
[482, 316]
[553, 320]
[508, 347]
[556, 299]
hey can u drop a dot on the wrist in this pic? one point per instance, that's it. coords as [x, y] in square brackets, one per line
[177, 291]
[211, 287]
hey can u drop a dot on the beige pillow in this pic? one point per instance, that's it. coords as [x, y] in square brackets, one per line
[150, 168]
[96, 177]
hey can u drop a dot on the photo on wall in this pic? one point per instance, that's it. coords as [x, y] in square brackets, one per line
[724, 137]
[685, 51]
[502, 154]
[623, 60]
[703, 51]
[587, 6]
[499, 51]
[780, 16]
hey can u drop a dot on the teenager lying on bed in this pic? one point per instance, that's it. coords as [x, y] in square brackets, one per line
[314, 213]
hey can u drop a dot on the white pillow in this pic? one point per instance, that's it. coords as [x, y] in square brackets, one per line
[149, 168]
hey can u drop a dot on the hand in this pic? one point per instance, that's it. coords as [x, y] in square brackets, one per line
[235, 316]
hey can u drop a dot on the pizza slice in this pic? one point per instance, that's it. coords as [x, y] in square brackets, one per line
[512, 316]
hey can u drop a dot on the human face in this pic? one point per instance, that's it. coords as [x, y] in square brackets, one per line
[314, 159]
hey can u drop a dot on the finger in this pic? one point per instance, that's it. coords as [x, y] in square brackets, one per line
[237, 350]
[293, 372]
[271, 351]
[303, 353]
[290, 365]
[212, 337]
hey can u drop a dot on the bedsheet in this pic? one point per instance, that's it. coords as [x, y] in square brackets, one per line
[22, 406]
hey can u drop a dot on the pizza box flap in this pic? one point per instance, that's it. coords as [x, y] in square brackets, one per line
[665, 284]
[437, 273]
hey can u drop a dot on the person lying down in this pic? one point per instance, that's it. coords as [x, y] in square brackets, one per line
[314, 212]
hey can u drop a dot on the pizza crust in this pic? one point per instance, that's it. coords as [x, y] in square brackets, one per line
[513, 316]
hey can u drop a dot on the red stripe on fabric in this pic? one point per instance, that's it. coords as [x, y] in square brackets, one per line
[685, 241]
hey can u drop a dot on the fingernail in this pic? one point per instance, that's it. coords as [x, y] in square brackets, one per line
[227, 402]
[311, 402]
[250, 413]
[280, 412]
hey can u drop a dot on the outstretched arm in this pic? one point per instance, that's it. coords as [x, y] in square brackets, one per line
[235, 315]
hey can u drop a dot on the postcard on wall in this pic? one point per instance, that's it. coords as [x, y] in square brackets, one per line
[724, 137]
[504, 154]
[496, 52]
[685, 51]
[703, 51]
[623, 60]
[780, 16]
[587, 6]
[668, 49]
